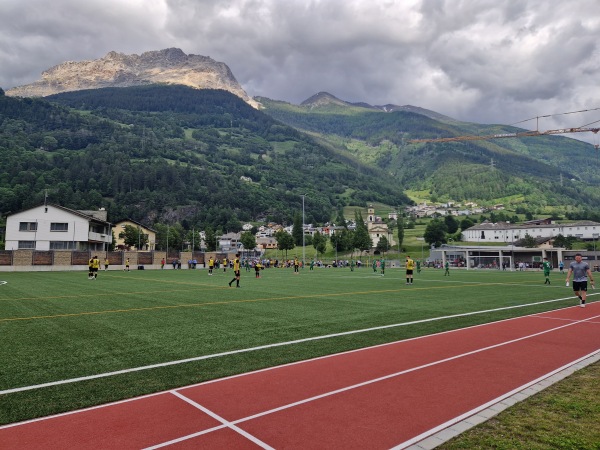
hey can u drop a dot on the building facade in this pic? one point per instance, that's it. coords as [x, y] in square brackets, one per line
[377, 228]
[148, 232]
[53, 227]
[509, 232]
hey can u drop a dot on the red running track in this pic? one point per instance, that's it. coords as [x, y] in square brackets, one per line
[375, 398]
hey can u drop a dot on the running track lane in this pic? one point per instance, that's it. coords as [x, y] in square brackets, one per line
[373, 398]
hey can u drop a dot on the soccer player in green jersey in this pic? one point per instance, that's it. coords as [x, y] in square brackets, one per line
[546, 268]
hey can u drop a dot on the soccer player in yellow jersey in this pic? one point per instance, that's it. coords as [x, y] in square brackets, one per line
[236, 270]
[95, 267]
[410, 267]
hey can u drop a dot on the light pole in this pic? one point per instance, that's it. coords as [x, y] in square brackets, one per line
[303, 250]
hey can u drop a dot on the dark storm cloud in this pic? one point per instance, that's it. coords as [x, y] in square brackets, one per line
[479, 60]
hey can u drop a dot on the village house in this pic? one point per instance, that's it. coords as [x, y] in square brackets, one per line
[149, 233]
[53, 227]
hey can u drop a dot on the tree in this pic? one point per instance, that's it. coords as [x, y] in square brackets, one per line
[298, 229]
[400, 231]
[529, 241]
[341, 220]
[210, 239]
[133, 237]
[467, 222]
[285, 241]
[248, 240]
[342, 240]
[451, 224]
[319, 243]
[169, 236]
[383, 245]
[435, 233]
[361, 239]
[564, 242]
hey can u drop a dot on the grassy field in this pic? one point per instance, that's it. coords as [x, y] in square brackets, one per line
[61, 326]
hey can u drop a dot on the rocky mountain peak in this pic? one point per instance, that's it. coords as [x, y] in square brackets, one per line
[169, 66]
[323, 99]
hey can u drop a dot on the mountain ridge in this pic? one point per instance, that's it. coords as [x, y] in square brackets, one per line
[167, 66]
[326, 100]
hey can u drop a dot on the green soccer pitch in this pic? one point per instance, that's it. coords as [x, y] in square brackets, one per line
[68, 342]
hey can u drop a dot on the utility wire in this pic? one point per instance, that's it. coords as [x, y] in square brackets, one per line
[558, 114]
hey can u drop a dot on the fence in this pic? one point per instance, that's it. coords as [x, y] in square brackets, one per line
[24, 260]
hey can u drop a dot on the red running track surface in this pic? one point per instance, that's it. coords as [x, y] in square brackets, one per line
[374, 398]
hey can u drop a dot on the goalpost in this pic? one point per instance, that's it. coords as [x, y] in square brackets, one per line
[491, 262]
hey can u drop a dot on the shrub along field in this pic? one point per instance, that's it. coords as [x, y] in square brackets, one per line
[58, 326]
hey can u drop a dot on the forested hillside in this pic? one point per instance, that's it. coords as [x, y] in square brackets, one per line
[549, 173]
[174, 154]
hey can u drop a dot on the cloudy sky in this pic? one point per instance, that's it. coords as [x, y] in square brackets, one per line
[486, 61]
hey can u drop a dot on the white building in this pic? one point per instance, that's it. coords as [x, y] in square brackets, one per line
[230, 242]
[510, 232]
[377, 228]
[53, 227]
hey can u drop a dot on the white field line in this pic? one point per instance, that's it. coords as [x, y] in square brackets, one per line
[274, 368]
[392, 375]
[263, 347]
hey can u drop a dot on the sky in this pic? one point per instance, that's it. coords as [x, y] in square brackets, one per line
[484, 61]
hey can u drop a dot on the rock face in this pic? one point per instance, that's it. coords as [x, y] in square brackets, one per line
[170, 66]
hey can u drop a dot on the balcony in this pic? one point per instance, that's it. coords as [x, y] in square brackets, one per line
[97, 237]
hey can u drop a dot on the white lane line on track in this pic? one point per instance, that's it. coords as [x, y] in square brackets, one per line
[264, 347]
[225, 424]
[394, 375]
[272, 368]
[483, 407]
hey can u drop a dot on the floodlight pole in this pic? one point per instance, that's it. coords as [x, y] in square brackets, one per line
[303, 250]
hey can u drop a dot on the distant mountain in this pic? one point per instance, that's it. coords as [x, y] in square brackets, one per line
[544, 173]
[173, 154]
[169, 66]
[325, 100]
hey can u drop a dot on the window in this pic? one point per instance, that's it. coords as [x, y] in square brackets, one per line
[27, 226]
[62, 245]
[26, 245]
[59, 226]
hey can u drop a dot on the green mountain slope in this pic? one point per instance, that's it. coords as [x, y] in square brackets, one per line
[172, 153]
[545, 173]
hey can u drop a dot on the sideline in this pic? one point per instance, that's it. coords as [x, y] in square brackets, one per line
[263, 347]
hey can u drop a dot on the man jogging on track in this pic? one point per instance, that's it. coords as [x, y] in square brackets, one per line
[581, 271]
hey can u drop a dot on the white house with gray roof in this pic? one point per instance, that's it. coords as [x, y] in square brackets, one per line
[54, 227]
